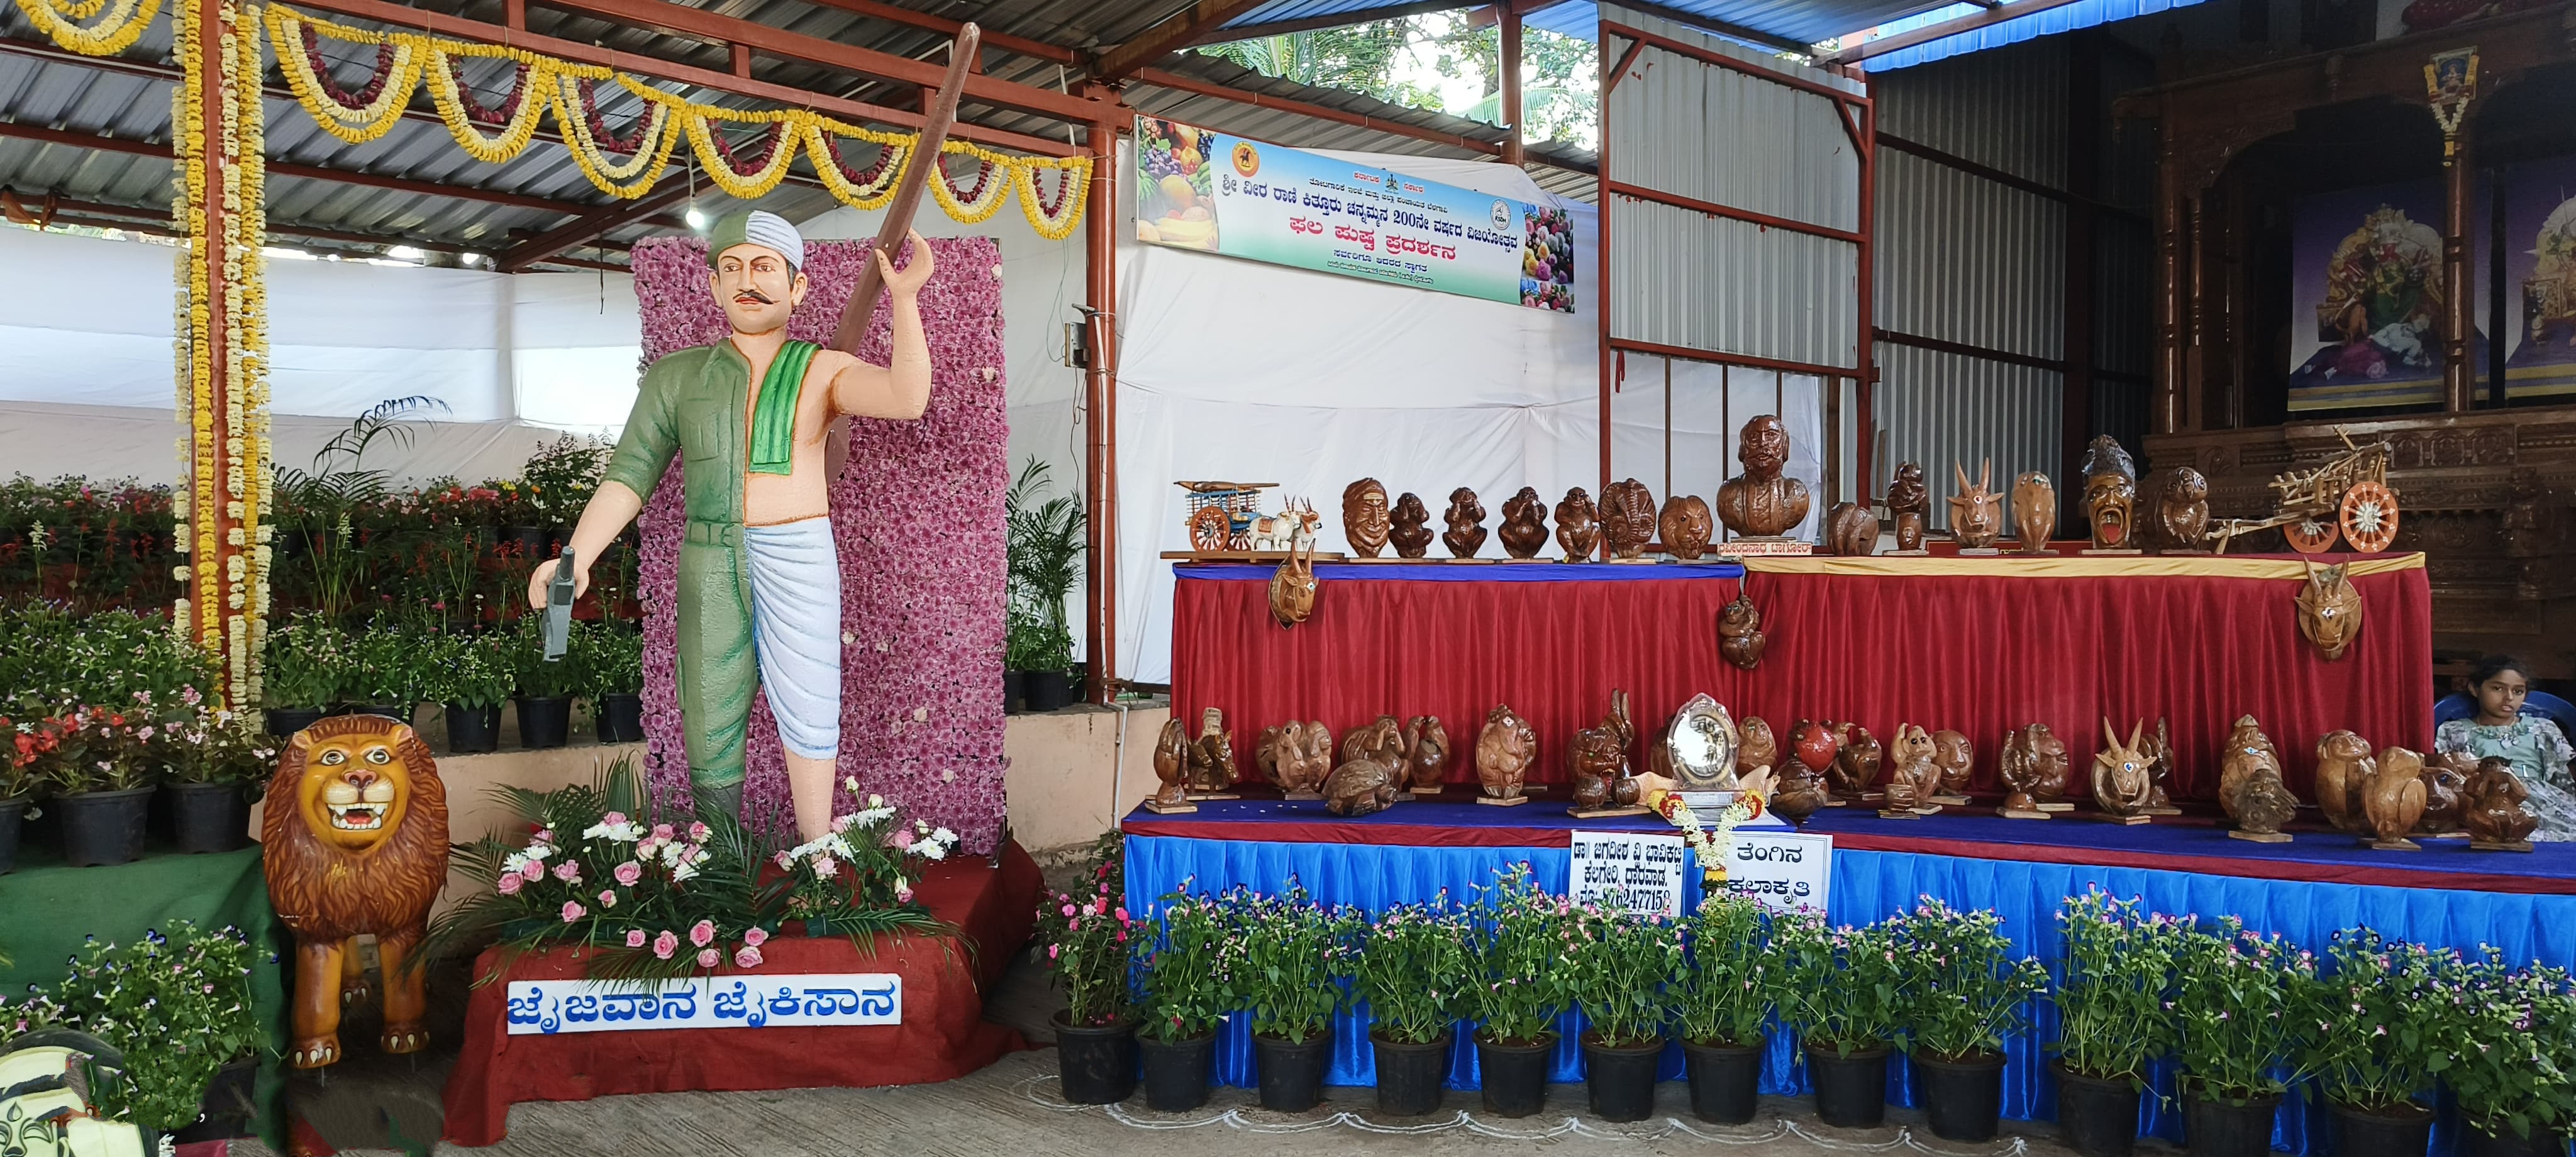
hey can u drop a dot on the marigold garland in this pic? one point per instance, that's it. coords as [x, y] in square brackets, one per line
[785, 134]
[626, 179]
[399, 62]
[1054, 222]
[111, 34]
[871, 189]
[518, 116]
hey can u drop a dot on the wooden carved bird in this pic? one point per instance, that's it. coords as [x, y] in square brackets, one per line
[2393, 799]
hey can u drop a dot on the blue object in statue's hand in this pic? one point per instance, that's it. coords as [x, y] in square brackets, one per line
[559, 596]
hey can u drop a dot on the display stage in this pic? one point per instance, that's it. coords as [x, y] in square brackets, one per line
[2445, 895]
[1976, 645]
[943, 1034]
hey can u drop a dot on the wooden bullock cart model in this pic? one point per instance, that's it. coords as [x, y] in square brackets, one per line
[2347, 495]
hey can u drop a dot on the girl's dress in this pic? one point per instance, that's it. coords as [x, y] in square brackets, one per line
[2539, 754]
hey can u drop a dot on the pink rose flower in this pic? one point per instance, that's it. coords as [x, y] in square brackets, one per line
[785, 861]
[635, 938]
[746, 957]
[661, 831]
[702, 933]
[698, 832]
[709, 958]
[607, 898]
[755, 937]
[629, 872]
[534, 872]
[509, 885]
[613, 819]
[903, 895]
[665, 944]
[568, 872]
[572, 910]
[902, 839]
[1051, 951]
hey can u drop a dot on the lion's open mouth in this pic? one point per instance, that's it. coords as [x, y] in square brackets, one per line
[356, 817]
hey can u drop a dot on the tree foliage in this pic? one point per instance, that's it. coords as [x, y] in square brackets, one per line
[1559, 94]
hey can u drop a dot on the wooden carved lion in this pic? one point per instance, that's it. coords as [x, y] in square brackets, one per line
[355, 844]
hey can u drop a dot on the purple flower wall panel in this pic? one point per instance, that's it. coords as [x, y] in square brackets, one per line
[918, 515]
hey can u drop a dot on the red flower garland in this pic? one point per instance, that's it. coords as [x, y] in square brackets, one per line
[475, 110]
[885, 155]
[777, 133]
[983, 177]
[608, 141]
[322, 72]
[1049, 206]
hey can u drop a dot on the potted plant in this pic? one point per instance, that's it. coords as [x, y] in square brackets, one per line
[546, 687]
[31, 742]
[1186, 975]
[1412, 966]
[611, 658]
[2515, 1073]
[522, 532]
[561, 476]
[1095, 1033]
[1722, 1005]
[392, 662]
[101, 783]
[2114, 1017]
[179, 1009]
[2243, 1006]
[217, 762]
[474, 677]
[2387, 1021]
[1838, 990]
[1021, 639]
[1620, 969]
[1044, 540]
[1964, 994]
[1296, 954]
[1518, 935]
[308, 669]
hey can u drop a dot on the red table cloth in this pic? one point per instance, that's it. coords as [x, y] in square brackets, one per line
[943, 1034]
[1976, 645]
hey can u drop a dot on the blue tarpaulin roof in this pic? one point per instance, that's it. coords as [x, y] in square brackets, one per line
[2065, 18]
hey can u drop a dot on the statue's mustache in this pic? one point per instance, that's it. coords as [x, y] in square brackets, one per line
[755, 295]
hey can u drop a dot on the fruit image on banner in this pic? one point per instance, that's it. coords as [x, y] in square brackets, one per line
[1203, 190]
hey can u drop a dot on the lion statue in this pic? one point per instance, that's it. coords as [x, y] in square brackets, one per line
[355, 844]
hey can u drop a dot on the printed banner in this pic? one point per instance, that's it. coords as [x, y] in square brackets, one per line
[1783, 871]
[2366, 299]
[1637, 871]
[2539, 279]
[549, 1007]
[1197, 189]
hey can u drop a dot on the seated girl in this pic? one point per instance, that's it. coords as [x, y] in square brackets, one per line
[2535, 747]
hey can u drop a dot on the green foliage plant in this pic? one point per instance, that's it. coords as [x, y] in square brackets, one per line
[1412, 970]
[1727, 991]
[1964, 993]
[2115, 1012]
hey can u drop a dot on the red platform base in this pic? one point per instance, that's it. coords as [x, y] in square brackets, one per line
[943, 1034]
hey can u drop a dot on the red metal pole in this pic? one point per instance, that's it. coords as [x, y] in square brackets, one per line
[1866, 380]
[1601, 266]
[1100, 408]
[1511, 66]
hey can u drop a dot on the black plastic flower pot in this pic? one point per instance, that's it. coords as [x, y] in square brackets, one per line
[1012, 693]
[1725, 1081]
[225, 1110]
[1851, 1091]
[1046, 690]
[101, 828]
[1176, 1072]
[2404, 1132]
[1409, 1076]
[472, 730]
[1962, 1099]
[1292, 1072]
[2477, 1142]
[286, 721]
[1515, 1076]
[544, 722]
[2217, 1129]
[1619, 1080]
[620, 716]
[2096, 1117]
[12, 811]
[207, 818]
[1095, 1063]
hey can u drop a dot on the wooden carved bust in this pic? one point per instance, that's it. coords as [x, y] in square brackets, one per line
[1907, 500]
[1762, 502]
[1466, 517]
[1524, 524]
[1627, 518]
[1686, 526]
[1410, 527]
[1364, 517]
[2110, 493]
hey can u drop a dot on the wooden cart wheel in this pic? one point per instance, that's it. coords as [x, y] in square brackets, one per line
[2311, 535]
[1210, 529]
[2369, 516]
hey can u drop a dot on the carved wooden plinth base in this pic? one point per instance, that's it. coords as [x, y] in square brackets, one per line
[1471, 560]
[1603, 813]
[2450, 835]
[2515, 846]
[1951, 800]
[2112, 550]
[1631, 561]
[1524, 560]
[1903, 553]
[2042, 552]
[2130, 821]
[1899, 813]
[2263, 837]
[2014, 813]
[2057, 807]
[2159, 811]
[2170, 550]
[1979, 551]
[2399, 845]
[1434, 789]
[1196, 796]
[1301, 795]
[1163, 809]
[1837, 803]
[1496, 801]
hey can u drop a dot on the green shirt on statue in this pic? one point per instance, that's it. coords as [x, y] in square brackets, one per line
[690, 404]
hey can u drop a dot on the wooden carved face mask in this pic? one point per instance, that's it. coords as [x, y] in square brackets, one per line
[2329, 610]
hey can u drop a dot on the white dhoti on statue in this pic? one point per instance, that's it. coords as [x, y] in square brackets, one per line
[796, 630]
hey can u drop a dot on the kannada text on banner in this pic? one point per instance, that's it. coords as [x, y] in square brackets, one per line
[1217, 193]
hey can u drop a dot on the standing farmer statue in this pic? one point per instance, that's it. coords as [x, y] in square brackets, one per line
[760, 577]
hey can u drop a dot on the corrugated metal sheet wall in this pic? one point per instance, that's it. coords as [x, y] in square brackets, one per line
[1963, 259]
[1714, 134]
[1939, 409]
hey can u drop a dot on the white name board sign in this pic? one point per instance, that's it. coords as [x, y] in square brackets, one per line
[1783, 871]
[548, 1007]
[1640, 872]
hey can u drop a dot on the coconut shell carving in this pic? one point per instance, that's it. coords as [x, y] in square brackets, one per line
[1857, 757]
[2033, 766]
[1851, 530]
[2182, 509]
[1381, 740]
[1597, 760]
[2329, 610]
[1410, 527]
[1976, 512]
[1295, 757]
[2110, 493]
[1757, 748]
[2034, 508]
[2392, 800]
[1505, 749]
[1578, 526]
[2265, 805]
[1762, 502]
[1426, 753]
[1907, 501]
[1358, 788]
[1524, 531]
[1466, 518]
[2344, 765]
[1293, 587]
[2160, 770]
[1364, 517]
[1686, 526]
[1957, 759]
[1212, 754]
[2248, 753]
[1800, 787]
[1627, 518]
[1913, 777]
[1739, 633]
[2446, 782]
[1172, 765]
[2121, 783]
[2495, 815]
